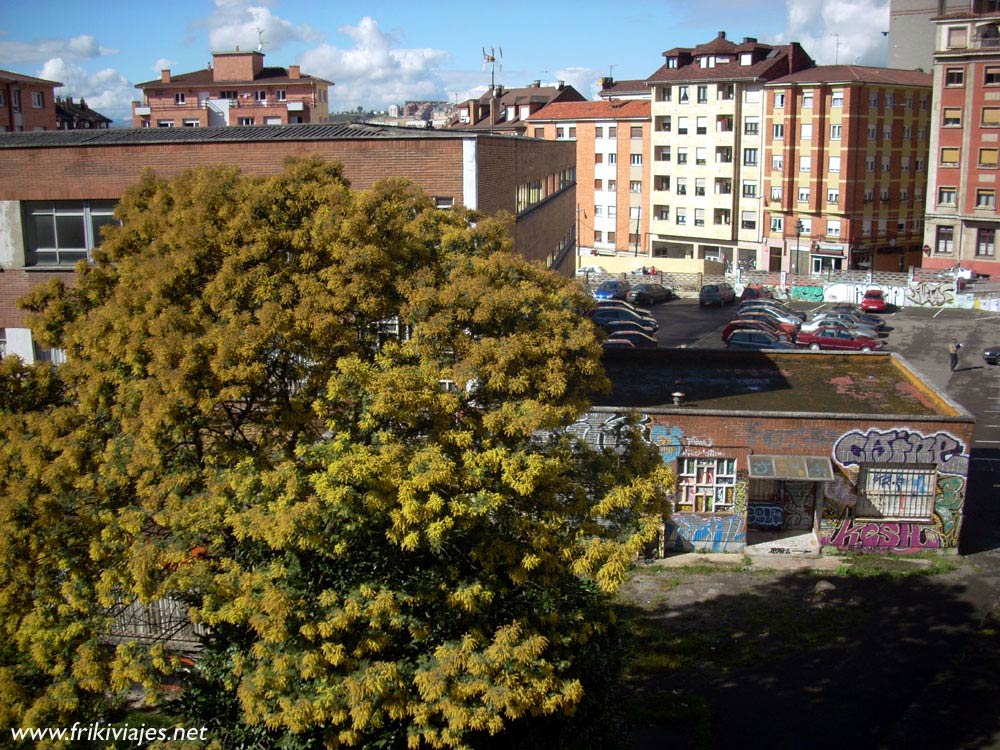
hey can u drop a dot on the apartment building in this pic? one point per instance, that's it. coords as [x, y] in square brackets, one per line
[845, 169]
[707, 147]
[503, 110]
[962, 219]
[912, 31]
[235, 89]
[26, 103]
[612, 169]
[57, 190]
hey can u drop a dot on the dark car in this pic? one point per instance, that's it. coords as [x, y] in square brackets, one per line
[649, 294]
[774, 304]
[638, 339]
[992, 355]
[612, 289]
[755, 340]
[716, 294]
[756, 291]
[603, 315]
[754, 325]
[613, 327]
[872, 321]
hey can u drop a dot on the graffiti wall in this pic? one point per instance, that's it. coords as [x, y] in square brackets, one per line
[852, 523]
[687, 532]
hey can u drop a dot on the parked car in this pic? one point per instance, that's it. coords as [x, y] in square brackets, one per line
[773, 312]
[589, 271]
[756, 291]
[756, 340]
[612, 289]
[761, 316]
[605, 314]
[872, 321]
[751, 304]
[837, 338]
[618, 344]
[716, 294]
[992, 355]
[847, 325]
[624, 305]
[852, 320]
[613, 327]
[754, 325]
[874, 302]
[638, 339]
[649, 294]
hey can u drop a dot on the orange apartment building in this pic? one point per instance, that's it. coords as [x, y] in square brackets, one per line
[612, 147]
[26, 103]
[962, 219]
[236, 89]
[845, 176]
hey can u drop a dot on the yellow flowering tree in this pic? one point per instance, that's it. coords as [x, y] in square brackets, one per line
[333, 423]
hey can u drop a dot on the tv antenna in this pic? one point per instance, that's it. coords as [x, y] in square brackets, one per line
[260, 39]
[493, 59]
[836, 49]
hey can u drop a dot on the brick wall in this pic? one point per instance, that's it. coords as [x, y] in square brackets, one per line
[15, 283]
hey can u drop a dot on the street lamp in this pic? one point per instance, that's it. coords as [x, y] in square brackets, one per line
[798, 235]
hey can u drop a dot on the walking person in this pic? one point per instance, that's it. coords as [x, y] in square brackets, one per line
[953, 348]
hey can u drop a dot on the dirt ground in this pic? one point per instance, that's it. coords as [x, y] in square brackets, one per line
[833, 652]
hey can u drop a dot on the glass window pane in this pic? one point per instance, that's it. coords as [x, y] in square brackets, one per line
[45, 230]
[69, 231]
[100, 221]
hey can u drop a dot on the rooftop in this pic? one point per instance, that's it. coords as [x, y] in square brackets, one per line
[206, 77]
[821, 383]
[856, 74]
[8, 76]
[617, 109]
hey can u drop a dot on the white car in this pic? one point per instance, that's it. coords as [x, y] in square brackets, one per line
[825, 321]
[589, 271]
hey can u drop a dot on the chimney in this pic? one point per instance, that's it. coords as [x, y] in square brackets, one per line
[83, 103]
[749, 40]
[536, 84]
[294, 71]
[561, 85]
[165, 76]
[722, 35]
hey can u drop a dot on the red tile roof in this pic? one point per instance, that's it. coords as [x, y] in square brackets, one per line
[10, 76]
[618, 109]
[625, 87]
[857, 74]
[206, 77]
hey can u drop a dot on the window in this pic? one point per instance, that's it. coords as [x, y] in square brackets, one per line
[682, 156]
[805, 163]
[725, 91]
[699, 217]
[701, 126]
[560, 133]
[179, 98]
[778, 132]
[231, 95]
[701, 155]
[706, 485]
[890, 101]
[3, 103]
[723, 155]
[872, 132]
[896, 491]
[164, 123]
[599, 131]
[682, 125]
[870, 163]
[633, 239]
[884, 195]
[833, 195]
[635, 160]
[947, 196]
[835, 131]
[723, 186]
[991, 117]
[37, 99]
[907, 132]
[598, 235]
[680, 216]
[197, 123]
[951, 117]
[992, 75]
[803, 195]
[635, 131]
[833, 228]
[837, 98]
[662, 213]
[958, 36]
[260, 95]
[539, 132]
[920, 165]
[869, 195]
[682, 186]
[750, 157]
[598, 158]
[598, 211]
[886, 163]
[444, 202]
[682, 94]
[887, 133]
[612, 186]
[954, 77]
[612, 213]
[246, 121]
[751, 125]
[807, 227]
[904, 163]
[749, 189]
[777, 223]
[702, 94]
[661, 182]
[60, 233]
[598, 184]
[988, 158]
[986, 198]
[779, 100]
[873, 100]
[807, 131]
[986, 242]
[280, 95]
[777, 162]
[949, 157]
[807, 99]
[944, 240]
[748, 220]
[663, 123]
[699, 186]
[776, 192]
[612, 158]
[662, 153]
[611, 237]
[723, 216]
[834, 163]
[613, 131]
[635, 186]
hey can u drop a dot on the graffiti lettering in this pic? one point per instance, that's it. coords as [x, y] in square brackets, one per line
[687, 532]
[902, 446]
[668, 439]
[761, 516]
[602, 431]
[807, 293]
[888, 535]
[930, 294]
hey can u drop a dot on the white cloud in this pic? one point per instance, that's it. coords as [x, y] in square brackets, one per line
[162, 64]
[77, 48]
[107, 91]
[584, 80]
[235, 23]
[376, 71]
[848, 32]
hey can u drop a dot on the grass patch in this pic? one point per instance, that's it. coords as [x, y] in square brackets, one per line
[896, 567]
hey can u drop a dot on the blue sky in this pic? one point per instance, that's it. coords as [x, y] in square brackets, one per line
[388, 51]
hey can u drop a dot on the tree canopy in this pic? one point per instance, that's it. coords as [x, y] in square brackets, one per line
[332, 423]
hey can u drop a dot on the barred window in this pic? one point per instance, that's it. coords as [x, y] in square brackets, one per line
[901, 491]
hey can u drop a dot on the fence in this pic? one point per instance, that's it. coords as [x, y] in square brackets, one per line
[164, 621]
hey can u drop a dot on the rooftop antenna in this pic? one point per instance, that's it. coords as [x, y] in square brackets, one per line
[260, 39]
[836, 49]
[492, 59]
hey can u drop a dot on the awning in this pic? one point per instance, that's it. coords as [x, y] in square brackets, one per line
[802, 468]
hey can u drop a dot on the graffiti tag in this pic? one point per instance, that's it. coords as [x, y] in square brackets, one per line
[930, 294]
[902, 446]
[760, 516]
[888, 535]
[706, 533]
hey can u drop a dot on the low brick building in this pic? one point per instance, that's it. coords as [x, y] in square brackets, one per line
[793, 452]
[57, 189]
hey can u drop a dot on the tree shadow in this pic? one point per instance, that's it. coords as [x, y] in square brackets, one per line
[876, 662]
[981, 514]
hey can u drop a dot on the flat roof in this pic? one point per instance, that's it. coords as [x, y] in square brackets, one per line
[827, 384]
[222, 134]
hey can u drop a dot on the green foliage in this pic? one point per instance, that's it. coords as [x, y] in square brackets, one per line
[383, 562]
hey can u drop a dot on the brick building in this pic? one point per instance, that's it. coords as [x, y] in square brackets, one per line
[236, 89]
[962, 218]
[57, 189]
[845, 169]
[78, 116]
[799, 451]
[612, 147]
[502, 110]
[26, 103]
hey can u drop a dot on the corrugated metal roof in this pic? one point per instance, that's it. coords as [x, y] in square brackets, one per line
[230, 134]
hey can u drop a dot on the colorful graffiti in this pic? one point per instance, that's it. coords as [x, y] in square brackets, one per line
[720, 533]
[902, 446]
[885, 536]
[807, 293]
[669, 440]
[765, 516]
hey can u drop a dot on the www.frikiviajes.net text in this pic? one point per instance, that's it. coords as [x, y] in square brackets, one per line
[101, 732]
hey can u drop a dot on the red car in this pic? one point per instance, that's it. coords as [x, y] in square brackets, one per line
[761, 315]
[756, 291]
[754, 325]
[874, 302]
[837, 338]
